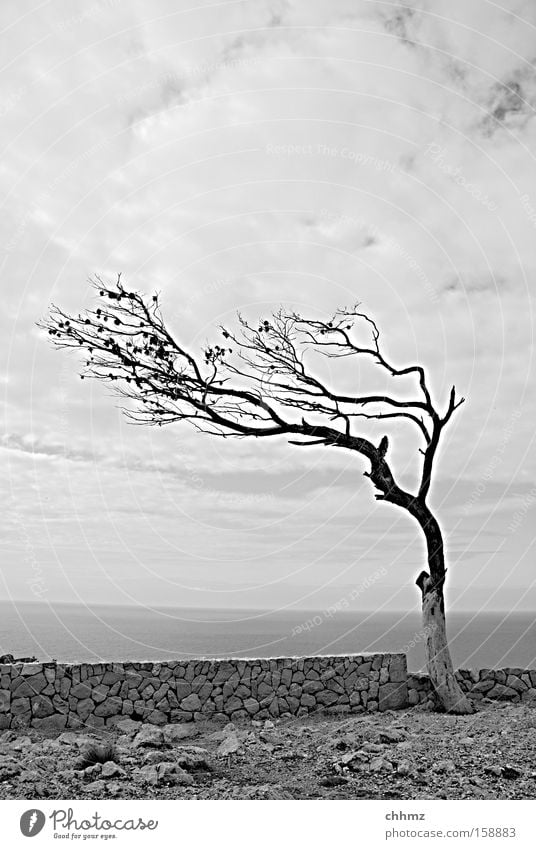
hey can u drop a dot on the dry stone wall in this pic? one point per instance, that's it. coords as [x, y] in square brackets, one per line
[54, 696]
[511, 684]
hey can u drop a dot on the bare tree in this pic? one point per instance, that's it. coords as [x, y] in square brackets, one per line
[258, 383]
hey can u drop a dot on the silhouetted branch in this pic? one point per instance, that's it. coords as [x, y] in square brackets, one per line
[251, 384]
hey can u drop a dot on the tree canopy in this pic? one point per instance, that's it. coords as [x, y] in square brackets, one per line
[256, 383]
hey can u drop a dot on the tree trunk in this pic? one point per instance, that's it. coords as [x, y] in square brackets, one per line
[440, 668]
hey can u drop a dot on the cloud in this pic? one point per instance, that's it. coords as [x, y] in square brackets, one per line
[140, 142]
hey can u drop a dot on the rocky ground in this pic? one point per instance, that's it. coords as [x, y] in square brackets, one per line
[408, 754]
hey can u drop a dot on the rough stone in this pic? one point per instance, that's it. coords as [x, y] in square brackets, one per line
[81, 691]
[112, 770]
[20, 706]
[42, 706]
[413, 697]
[482, 687]
[191, 702]
[503, 693]
[164, 773]
[229, 745]
[157, 717]
[182, 689]
[5, 701]
[314, 686]
[326, 697]
[31, 669]
[149, 737]
[393, 696]
[57, 722]
[397, 669]
[516, 683]
[124, 724]
[109, 707]
[31, 686]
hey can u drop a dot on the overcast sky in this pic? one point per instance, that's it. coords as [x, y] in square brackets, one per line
[239, 155]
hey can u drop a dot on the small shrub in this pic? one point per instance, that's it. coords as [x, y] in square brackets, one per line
[97, 753]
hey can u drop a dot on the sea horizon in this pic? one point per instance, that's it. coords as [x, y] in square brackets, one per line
[71, 632]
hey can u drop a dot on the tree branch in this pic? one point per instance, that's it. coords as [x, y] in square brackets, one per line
[251, 388]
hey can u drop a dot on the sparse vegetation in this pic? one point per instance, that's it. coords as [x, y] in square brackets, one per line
[97, 753]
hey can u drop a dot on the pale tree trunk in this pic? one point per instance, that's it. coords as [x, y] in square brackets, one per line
[440, 668]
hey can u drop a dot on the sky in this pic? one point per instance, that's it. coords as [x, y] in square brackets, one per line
[238, 156]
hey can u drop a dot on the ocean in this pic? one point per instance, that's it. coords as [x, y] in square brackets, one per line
[74, 632]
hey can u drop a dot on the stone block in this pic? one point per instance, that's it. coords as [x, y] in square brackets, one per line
[84, 708]
[274, 707]
[60, 705]
[233, 703]
[286, 677]
[20, 706]
[81, 691]
[42, 706]
[157, 717]
[50, 674]
[483, 686]
[31, 669]
[99, 693]
[516, 682]
[503, 693]
[109, 707]
[223, 672]
[529, 695]
[312, 675]
[312, 686]
[57, 722]
[391, 697]
[182, 689]
[30, 686]
[326, 697]
[397, 669]
[191, 702]
[293, 704]
[5, 700]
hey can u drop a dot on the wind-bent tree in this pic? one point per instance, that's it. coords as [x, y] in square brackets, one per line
[259, 383]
